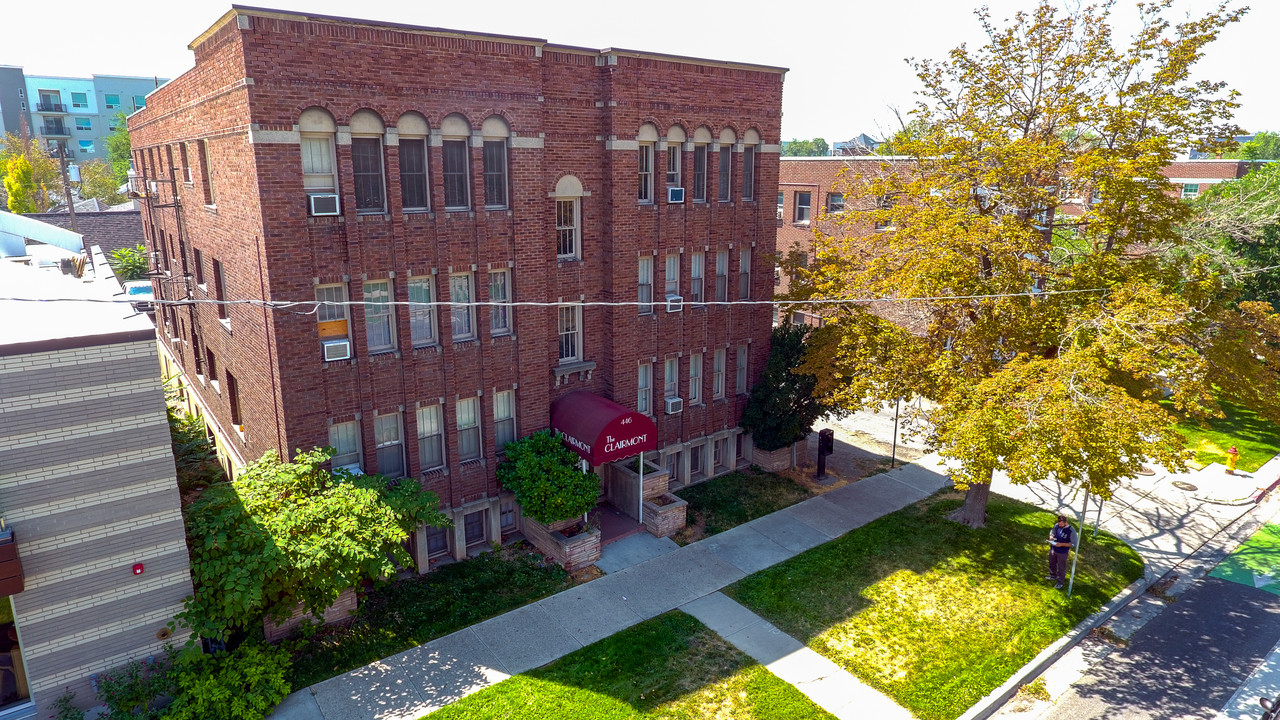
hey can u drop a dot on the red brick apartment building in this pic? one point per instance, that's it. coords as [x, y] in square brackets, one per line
[313, 158]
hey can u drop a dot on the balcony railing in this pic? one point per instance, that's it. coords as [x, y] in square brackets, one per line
[48, 107]
[55, 130]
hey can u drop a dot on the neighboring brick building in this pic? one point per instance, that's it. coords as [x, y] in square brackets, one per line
[1193, 176]
[335, 159]
[88, 487]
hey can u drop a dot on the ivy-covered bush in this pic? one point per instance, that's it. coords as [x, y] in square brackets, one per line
[782, 408]
[545, 478]
[244, 684]
[137, 690]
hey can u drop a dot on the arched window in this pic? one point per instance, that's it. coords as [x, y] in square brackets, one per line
[568, 198]
[456, 133]
[701, 142]
[675, 144]
[750, 141]
[647, 139]
[496, 182]
[725, 171]
[367, 173]
[415, 180]
[316, 130]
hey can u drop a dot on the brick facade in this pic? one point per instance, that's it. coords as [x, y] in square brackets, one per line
[568, 111]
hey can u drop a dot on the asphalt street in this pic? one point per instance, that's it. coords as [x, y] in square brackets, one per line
[1186, 662]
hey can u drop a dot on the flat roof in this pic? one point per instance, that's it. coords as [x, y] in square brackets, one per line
[53, 313]
[540, 42]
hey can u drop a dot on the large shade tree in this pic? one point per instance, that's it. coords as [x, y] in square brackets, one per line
[1042, 245]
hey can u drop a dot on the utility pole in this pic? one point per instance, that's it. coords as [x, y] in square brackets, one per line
[66, 184]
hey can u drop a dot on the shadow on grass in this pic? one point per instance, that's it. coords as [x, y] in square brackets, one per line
[931, 612]
[671, 666]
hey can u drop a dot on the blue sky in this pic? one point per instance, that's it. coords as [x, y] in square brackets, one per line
[846, 56]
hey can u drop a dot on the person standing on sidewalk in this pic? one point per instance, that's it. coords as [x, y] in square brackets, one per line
[1061, 538]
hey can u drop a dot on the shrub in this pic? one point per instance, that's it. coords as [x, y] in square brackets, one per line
[136, 691]
[64, 707]
[544, 476]
[129, 263]
[244, 684]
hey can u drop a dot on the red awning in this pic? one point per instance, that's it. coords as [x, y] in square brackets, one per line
[601, 430]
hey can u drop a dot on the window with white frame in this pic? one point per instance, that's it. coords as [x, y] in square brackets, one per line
[1190, 191]
[462, 317]
[672, 274]
[717, 374]
[740, 370]
[645, 284]
[379, 323]
[504, 418]
[835, 202]
[722, 275]
[569, 327]
[430, 438]
[422, 315]
[79, 100]
[331, 312]
[644, 389]
[699, 173]
[696, 263]
[720, 454]
[468, 429]
[112, 101]
[390, 445]
[344, 438]
[695, 379]
[645, 172]
[673, 165]
[500, 292]
[802, 207]
[567, 229]
[671, 377]
[749, 172]
[744, 275]
[317, 131]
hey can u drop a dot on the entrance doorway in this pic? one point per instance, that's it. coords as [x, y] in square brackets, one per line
[13, 673]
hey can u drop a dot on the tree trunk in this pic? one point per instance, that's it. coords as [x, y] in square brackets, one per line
[974, 510]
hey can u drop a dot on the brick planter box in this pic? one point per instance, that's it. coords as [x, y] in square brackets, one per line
[776, 460]
[656, 479]
[570, 552]
[665, 520]
[340, 610]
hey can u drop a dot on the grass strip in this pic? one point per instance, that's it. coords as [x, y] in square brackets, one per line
[671, 667]
[933, 613]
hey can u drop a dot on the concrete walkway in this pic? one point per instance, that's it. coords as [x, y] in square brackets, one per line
[415, 682]
[828, 685]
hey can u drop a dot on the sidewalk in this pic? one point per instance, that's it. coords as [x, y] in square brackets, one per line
[415, 682]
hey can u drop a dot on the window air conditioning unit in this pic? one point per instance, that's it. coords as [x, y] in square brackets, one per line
[779, 213]
[675, 303]
[674, 405]
[337, 350]
[323, 204]
[353, 468]
[675, 194]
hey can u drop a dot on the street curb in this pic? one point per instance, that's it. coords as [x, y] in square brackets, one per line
[992, 703]
[988, 705]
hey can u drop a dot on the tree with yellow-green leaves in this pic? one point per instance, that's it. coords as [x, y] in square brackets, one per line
[1033, 227]
[36, 189]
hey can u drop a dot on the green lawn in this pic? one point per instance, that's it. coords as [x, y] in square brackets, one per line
[1257, 440]
[733, 499]
[404, 613]
[933, 613]
[671, 667]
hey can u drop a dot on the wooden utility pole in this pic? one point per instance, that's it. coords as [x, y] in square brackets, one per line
[66, 184]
